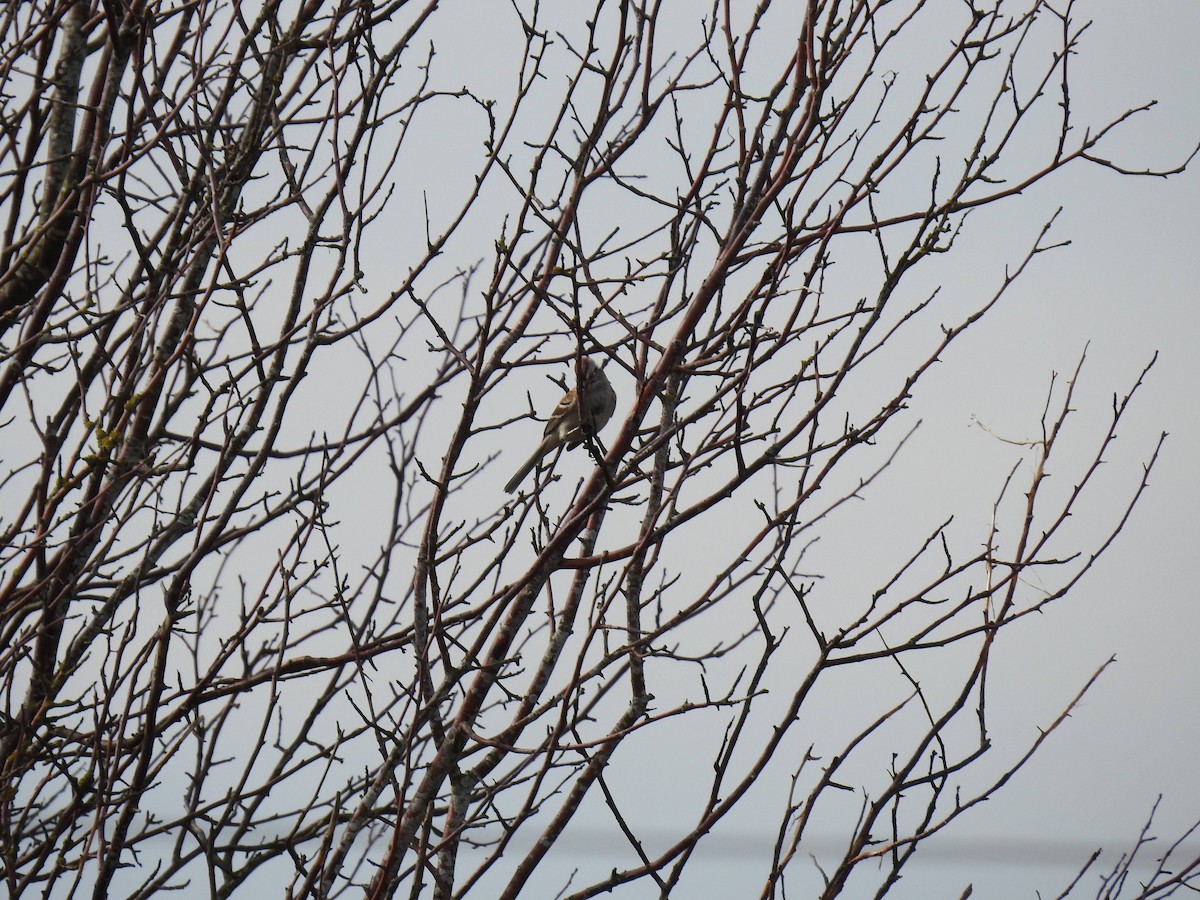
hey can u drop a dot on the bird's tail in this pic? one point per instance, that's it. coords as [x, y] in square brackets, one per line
[524, 470]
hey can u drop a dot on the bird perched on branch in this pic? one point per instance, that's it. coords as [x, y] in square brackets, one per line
[581, 413]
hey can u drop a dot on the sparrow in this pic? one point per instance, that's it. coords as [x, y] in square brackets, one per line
[581, 413]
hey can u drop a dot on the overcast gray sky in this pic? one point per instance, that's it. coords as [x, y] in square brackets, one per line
[1125, 288]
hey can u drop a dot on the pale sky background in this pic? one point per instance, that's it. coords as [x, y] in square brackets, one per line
[1125, 287]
